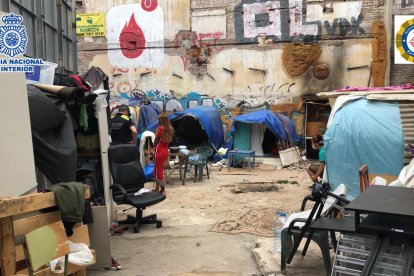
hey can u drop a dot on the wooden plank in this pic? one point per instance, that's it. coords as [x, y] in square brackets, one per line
[72, 269]
[7, 250]
[81, 272]
[46, 243]
[335, 94]
[80, 235]
[391, 97]
[25, 225]
[11, 206]
[19, 205]
[61, 238]
[19, 253]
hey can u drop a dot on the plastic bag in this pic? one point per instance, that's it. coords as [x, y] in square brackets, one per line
[80, 255]
[57, 265]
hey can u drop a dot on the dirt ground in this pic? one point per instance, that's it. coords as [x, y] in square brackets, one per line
[186, 246]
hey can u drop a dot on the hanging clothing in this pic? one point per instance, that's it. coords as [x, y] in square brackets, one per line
[256, 138]
[148, 115]
[160, 154]
[145, 135]
[70, 198]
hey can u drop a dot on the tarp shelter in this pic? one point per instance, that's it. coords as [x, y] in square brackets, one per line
[363, 132]
[198, 125]
[260, 129]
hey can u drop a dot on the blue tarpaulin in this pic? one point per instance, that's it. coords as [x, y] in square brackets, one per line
[208, 118]
[278, 124]
[149, 171]
[363, 132]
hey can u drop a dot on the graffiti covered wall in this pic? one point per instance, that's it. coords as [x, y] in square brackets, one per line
[190, 52]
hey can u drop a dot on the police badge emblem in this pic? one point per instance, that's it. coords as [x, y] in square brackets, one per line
[13, 36]
[405, 40]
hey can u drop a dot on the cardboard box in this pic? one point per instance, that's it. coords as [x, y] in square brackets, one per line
[313, 128]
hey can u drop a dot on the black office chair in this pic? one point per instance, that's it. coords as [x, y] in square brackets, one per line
[128, 178]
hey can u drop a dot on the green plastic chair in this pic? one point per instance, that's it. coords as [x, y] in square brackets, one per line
[291, 234]
[45, 244]
[199, 160]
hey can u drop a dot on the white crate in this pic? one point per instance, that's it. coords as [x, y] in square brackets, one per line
[289, 156]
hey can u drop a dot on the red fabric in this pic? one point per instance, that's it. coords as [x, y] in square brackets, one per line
[356, 88]
[82, 84]
[161, 154]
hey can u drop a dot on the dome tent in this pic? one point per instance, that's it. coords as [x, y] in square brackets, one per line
[251, 130]
[197, 125]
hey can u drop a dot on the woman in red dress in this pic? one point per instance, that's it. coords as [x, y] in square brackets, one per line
[163, 136]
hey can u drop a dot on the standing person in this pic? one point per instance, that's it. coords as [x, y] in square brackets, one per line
[123, 130]
[163, 136]
[315, 170]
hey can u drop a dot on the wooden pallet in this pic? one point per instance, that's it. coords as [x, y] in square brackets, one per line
[20, 215]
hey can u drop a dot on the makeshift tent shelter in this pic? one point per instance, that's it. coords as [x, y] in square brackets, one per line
[259, 129]
[363, 132]
[198, 125]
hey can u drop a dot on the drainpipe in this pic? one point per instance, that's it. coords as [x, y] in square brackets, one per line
[60, 36]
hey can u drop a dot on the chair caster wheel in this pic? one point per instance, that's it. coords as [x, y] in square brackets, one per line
[136, 229]
[158, 224]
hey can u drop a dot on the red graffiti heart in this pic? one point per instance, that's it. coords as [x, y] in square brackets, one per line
[149, 5]
[132, 39]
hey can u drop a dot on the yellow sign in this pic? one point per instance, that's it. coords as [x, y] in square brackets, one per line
[90, 24]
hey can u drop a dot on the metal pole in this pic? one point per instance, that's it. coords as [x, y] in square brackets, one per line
[60, 35]
[216, 150]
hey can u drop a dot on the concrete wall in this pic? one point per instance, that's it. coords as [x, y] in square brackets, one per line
[230, 51]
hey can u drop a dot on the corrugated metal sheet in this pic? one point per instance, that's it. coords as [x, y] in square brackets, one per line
[407, 121]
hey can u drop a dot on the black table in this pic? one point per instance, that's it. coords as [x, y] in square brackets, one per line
[397, 202]
[390, 212]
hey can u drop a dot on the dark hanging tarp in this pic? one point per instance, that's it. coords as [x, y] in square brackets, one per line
[54, 142]
[95, 77]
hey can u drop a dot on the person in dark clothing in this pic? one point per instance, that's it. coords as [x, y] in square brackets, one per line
[123, 129]
[315, 170]
[178, 140]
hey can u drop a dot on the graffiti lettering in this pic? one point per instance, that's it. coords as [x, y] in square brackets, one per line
[204, 40]
[195, 47]
[261, 19]
[344, 26]
[283, 20]
[407, 3]
[297, 28]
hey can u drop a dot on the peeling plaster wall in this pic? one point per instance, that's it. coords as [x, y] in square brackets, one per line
[231, 50]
